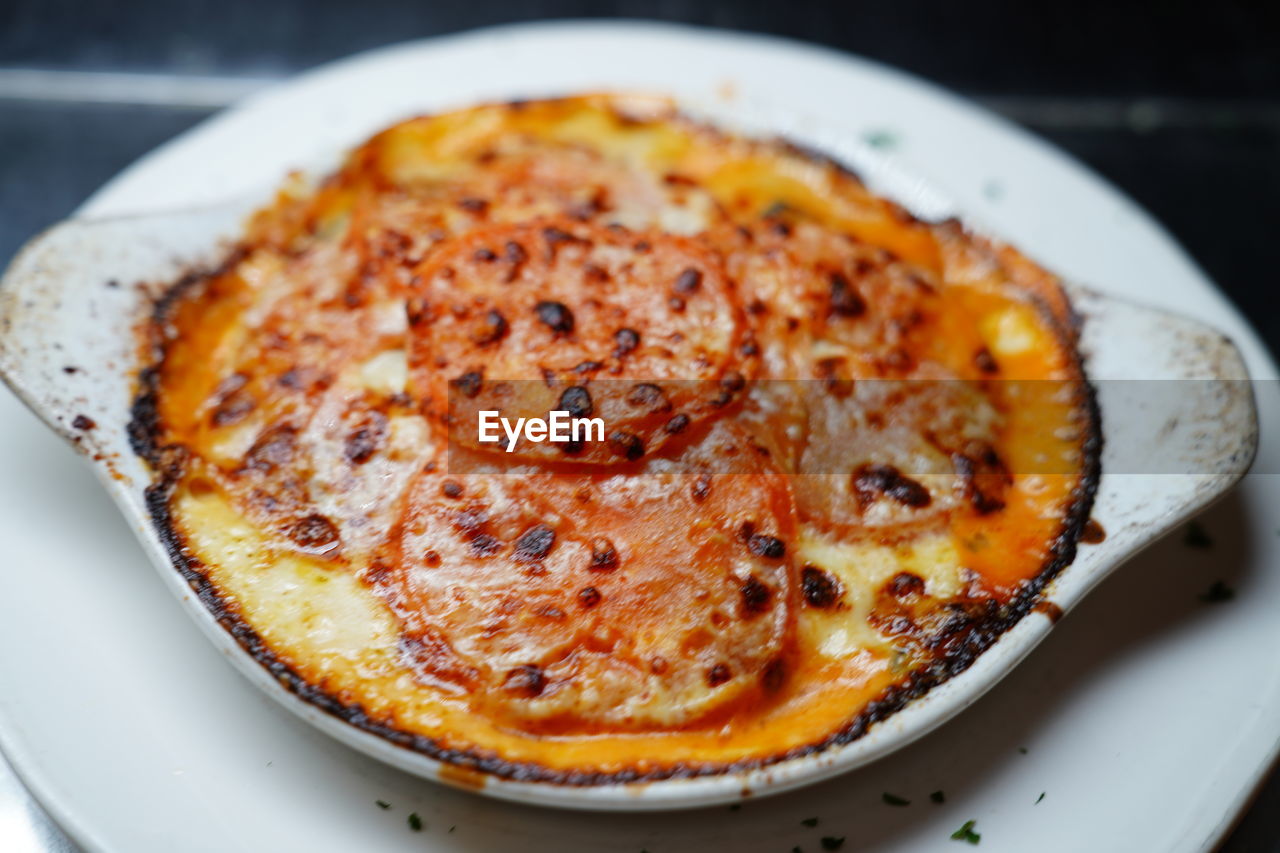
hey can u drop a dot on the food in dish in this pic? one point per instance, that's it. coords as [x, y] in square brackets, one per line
[843, 449]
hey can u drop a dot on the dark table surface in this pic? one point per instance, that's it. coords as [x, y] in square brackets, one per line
[1177, 103]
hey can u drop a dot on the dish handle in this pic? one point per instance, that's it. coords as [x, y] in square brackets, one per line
[71, 300]
[1179, 426]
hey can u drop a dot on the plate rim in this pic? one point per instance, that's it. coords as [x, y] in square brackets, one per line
[9, 740]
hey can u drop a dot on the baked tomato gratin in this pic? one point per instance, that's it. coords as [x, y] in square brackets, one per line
[843, 449]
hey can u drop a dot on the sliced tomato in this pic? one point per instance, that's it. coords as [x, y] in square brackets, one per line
[822, 304]
[639, 329]
[567, 601]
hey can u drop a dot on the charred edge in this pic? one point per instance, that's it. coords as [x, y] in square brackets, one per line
[145, 429]
[144, 416]
[144, 426]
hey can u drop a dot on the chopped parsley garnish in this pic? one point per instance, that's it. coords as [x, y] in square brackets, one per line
[383, 804]
[736, 807]
[415, 822]
[1196, 536]
[884, 140]
[452, 828]
[966, 833]
[894, 799]
[830, 842]
[1038, 799]
[809, 821]
[1022, 749]
[938, 797]
[1217, 593]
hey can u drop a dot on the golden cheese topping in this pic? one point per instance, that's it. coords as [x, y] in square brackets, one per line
[842, 450]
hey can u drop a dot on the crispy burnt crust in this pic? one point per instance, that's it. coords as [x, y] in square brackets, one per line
[969, 630]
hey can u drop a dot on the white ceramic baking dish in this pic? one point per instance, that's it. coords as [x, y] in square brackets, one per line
[70, 302]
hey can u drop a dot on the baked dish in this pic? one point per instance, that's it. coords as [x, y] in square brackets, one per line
[843, 449]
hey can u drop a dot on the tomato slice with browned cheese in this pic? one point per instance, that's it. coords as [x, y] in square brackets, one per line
[641, 330]
[566, 601]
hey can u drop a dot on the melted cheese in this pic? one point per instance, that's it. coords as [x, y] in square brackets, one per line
[744, 587]
[320, 612]
[863, 568]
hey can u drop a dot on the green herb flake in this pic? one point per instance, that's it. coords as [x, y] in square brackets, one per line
[1217, 593]
[736, 807]
[383, 804]
[938, 797]
[1022, 750]
[966, 833]
[415, 822]
[884, 140]
[809, 822]
[830, 842]
[894, 799]
[1039, 798]
[1196, 536]
[796, 849]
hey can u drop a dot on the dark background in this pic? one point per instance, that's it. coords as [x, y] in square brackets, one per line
[1177, 103]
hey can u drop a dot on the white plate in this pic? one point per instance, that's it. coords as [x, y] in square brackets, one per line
[160, 703]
